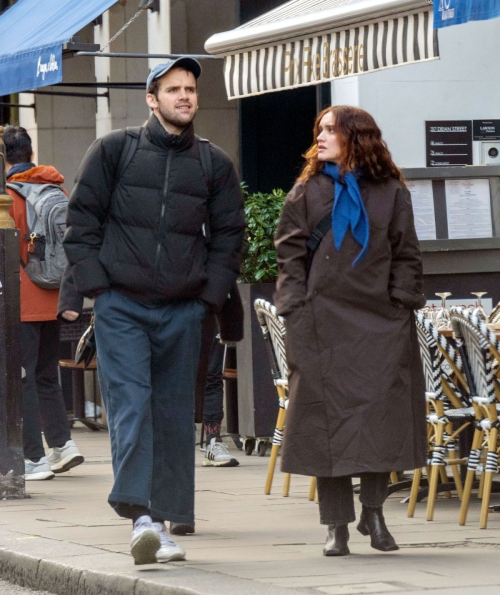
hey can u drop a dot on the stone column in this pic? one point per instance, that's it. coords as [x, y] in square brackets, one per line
[159, 36]
[11, 437]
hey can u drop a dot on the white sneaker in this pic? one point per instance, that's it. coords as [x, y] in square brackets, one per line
[169, 550]
[37, 471]
[217, 455]
[145, 541]
[65, 458]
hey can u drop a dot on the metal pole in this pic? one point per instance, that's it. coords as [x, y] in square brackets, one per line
[145, 55]
[11, 437]
[31, 105]
[69, 94]
[5, 199]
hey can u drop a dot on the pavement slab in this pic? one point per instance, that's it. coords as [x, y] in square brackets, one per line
[65, 539]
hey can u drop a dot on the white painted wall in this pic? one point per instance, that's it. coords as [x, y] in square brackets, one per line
[463, 85]
[103, 123]
[128, 107]
[27, 119]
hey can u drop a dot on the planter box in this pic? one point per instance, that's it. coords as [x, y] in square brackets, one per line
[257, 397]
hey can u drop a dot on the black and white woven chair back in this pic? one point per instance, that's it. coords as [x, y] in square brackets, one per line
[430, 356]
[494, 317]
[434, 363]
[475, 336]
[274, 331]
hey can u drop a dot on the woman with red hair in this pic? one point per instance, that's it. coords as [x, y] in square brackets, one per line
[357, 394]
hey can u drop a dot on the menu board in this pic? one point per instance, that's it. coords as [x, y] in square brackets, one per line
[423, 208]
[468, 208]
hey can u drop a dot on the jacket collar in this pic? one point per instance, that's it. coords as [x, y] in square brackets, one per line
[41, 174]
[163, 139]
[20, 168]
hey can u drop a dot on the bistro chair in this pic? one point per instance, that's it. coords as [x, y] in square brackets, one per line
[494, 317]
[274, 331]
[445, 405]
[480, 347]
[71, 333]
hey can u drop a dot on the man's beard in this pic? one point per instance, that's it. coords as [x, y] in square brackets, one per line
[172, 119]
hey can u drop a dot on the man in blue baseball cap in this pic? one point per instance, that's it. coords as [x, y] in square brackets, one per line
[155, 230]
[172, 94]
[185, 62]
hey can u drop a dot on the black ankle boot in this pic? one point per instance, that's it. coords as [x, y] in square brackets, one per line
[372, 523]
[336, 542]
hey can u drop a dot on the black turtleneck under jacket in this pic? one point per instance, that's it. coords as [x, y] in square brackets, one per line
[142, 235]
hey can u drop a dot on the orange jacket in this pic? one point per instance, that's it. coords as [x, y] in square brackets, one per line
[37, 304]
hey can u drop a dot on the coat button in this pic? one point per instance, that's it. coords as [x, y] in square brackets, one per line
[327, 257]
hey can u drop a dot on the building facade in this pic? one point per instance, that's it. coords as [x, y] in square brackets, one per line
[63, 127]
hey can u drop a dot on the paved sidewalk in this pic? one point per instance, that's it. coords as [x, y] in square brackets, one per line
[66, 539]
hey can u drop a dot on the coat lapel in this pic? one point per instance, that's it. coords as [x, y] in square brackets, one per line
[326, 189]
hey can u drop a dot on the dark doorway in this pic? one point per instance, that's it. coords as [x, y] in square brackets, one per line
[276, 128]
[275, 131]
[251, 9]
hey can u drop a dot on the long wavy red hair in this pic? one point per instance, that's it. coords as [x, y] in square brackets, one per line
[361, 145]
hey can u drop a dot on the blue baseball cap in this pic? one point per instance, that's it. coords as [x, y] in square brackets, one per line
[183, 62]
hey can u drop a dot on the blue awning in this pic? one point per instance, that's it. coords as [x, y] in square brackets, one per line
[32, 33]
[456, 12]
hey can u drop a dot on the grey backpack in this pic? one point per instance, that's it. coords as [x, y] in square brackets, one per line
[46, 207]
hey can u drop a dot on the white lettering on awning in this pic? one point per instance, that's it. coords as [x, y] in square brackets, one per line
[45, 67]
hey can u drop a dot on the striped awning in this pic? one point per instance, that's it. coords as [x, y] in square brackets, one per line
[315, 57]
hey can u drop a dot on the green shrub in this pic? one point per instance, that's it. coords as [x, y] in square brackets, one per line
[262, 213]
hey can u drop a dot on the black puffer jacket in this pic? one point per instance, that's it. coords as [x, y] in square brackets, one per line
[142, 235]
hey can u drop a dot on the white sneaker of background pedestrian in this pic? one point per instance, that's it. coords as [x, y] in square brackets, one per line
[169, 550]
[65, 458]
[217, 455]
[37, 471]
[145, 541]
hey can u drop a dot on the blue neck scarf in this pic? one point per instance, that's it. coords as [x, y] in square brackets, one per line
[348, 210]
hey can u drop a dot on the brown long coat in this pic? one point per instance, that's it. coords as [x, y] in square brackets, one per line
[357, 394]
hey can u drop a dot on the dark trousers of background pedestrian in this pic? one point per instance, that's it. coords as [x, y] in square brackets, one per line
[213, 411]
[43, 404]
[336, 498]
[147, 363]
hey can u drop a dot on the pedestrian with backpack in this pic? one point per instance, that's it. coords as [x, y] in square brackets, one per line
[157, 244]
[39, 212]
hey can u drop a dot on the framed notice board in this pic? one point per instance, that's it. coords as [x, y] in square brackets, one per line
[457, 215]
[454, 209]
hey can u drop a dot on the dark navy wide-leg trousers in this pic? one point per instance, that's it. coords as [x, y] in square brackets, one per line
[147, 363]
